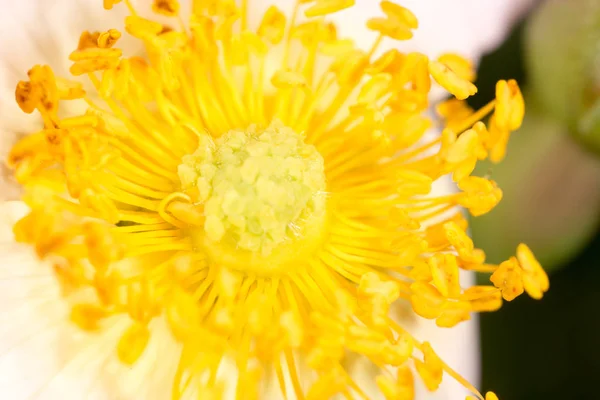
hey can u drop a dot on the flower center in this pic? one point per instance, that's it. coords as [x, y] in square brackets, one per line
[262, 194]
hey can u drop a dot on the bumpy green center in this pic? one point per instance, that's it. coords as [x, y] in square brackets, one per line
[259, 188]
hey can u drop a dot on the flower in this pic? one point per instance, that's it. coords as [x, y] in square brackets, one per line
[264, 223]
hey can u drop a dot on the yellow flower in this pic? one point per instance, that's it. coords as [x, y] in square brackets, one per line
[269, 219]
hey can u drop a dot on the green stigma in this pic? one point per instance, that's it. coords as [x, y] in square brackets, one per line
[259, 188]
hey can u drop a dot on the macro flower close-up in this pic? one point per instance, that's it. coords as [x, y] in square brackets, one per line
[229, 199]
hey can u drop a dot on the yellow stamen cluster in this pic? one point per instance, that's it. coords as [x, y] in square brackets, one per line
[271, 218]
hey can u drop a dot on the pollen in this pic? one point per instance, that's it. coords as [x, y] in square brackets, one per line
[258, 189]
[265, 192]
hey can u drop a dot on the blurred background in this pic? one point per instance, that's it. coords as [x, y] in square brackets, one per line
[551, 181]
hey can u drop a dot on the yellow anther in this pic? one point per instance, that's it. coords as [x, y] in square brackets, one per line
[388, 387]
[95, 53]
[480, 194]
[498, 140]
[454, 111]
[88, 40]
[462, 153]
[93, 65]
[314, 32]
[133, 343]
[408, 101]
[349, 66]
[42, 90]
[169, 8]
[415, 72]
[389, 62]
[272, 26]
[431, 369]
[510, 106]
[535, 280]
[391, 28]
[458, 238]
[491, 396]
[108, 4]
[484, 135]
[461, 66]
[462, 243]
[402, 388]
[338, 48]
[426, 300]
[142, 28]
[399, 13]
[444, 271]
[454, 313]
[109, 38]
[436, 233]
[465, 147]
[88, 316]
[27, 95]
[406, 382]
[396, 353]
[325, 7]
[488, 396]
[483, 298]
[509, 278]
[451, 81]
